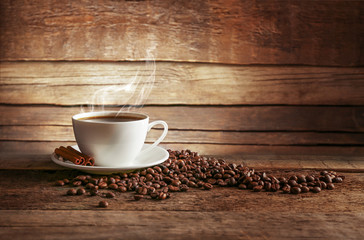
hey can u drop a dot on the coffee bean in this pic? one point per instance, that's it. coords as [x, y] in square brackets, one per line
[286, 189]
[310, 179]
[337, 180]
[81, 191]
[316, 189]
[94, 192]
[66, 181]
[258, 188]
[327, 179]
[71, 192]
[301, 178]
[295, 190]
[207, 186]
[89, 185]
[292, 182]
[330, 186]
[242, 186]
[77, 183]
[138, 197]
[59, 183]
[103, 204]
[110, 195]
[184, 188]
[113, 186]
[102, 185]
[305, 189]
[162, 196]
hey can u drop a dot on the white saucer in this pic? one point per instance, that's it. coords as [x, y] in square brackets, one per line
[154, 157]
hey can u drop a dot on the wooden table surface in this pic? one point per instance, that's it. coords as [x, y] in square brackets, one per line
[32, 207]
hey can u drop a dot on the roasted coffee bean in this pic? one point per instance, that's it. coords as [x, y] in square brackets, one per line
[89, 185]
[103, 204]
[275, 187]
[305, 189]
[81, 178]
[292, 183]
[192, 184]
[327, 179]
[232, 181]
[110, 195]
[122, 189]
[59, 183]
[173, 188]
[252, 185]
[301, 178]
[162, 196]
[294, 178]
[184, 188]
[258, 188]
[316, 189]
[102, 185]
[111, 180]
[310, 179]
[330, 186]
[138, 197]
[81, 191]
[324, 172]
[242, 186]
[94, 192]
[77, 183]
[113, 186]
[207, 186]
[71, 192]
[295, 190]
[212, 181]
[286, 188]
[267, 186]
[337, 180]
[323, 185]
[66, 181]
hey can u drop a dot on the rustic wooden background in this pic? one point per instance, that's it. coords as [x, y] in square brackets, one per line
[232, 77]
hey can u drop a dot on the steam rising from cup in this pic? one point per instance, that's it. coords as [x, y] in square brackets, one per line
[131, 93]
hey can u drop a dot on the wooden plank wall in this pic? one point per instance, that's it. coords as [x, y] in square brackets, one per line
[232, 77]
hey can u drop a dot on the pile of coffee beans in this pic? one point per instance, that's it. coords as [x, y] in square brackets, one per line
[185, 169]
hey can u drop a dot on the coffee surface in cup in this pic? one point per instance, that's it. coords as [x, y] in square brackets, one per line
[122, 118]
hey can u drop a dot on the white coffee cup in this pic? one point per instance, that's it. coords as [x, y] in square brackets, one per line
[114, 139]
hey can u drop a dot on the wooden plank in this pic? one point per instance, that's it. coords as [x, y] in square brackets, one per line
[179, 225]
[78, 83]
[65, 133]
[46, 148]
[260, 160]
[246, 118]
[241, 32]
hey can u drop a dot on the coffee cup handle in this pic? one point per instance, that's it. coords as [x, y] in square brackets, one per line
[160, 139]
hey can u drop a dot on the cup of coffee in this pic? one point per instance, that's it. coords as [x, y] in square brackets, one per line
[114, 139]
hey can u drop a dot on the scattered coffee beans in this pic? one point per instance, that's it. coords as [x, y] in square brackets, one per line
[185, 169]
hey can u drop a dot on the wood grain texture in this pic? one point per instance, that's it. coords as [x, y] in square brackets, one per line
[46, 148]
[30, 202]
[180, 225]
[178, 83]
[244, 118]
[239, 32]
[65, 133]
